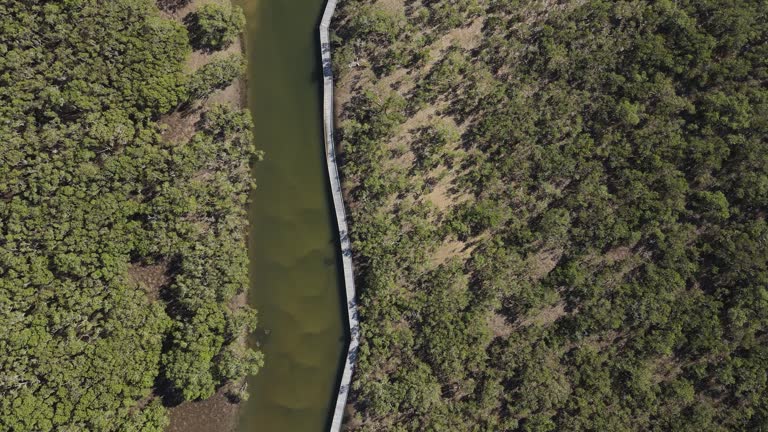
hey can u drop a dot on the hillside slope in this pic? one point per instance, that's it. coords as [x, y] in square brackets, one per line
[558, 213]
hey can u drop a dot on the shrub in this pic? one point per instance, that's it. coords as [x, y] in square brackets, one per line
[215, 75]
[215, 26]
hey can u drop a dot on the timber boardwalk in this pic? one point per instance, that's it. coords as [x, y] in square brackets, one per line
[341, 219]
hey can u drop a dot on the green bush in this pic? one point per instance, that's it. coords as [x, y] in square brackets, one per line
[216, 75]
[215, 26]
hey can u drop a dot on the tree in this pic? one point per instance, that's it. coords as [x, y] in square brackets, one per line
[89, 195]
[216, 75]
[214, 26]
[597, 261]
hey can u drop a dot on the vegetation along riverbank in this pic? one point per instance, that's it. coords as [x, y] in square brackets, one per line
[557, 213]
[124, 173]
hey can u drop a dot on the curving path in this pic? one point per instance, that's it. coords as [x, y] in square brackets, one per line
[341, 219]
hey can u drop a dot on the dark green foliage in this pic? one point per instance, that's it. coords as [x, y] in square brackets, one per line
[172, 5]
[214, 26]
[216, 74]
[390, 37]
[89, 192]
[211, 263]
[613, 170]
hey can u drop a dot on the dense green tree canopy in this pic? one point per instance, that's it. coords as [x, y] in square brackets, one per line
[215, 75]
[89, 193]
[215, 26]
[591, 253]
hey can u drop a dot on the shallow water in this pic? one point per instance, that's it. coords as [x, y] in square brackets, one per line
[294, 268]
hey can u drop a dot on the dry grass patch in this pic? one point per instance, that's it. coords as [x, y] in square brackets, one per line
[444, 194]
[453, 248]
[179, 126]
[394, 7]
[546, 316]
[216, 413]
[617, 254]
[403, 161]
[420, 119]
[441, 196]
[666, 368]
[499, 325]
[152, 278]
[398, 81]
[343, 90]
[468, 38]
[543, 262]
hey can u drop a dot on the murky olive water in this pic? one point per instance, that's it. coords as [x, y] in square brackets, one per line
[294, 267]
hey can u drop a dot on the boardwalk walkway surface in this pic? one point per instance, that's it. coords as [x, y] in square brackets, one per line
[341, 218]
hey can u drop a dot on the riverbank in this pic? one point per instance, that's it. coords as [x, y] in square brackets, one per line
[181, 124]
[124, 239]
[217, 413]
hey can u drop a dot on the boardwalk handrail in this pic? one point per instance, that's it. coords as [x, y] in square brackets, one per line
[341, 219]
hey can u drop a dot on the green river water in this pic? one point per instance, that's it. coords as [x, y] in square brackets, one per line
[293, 249]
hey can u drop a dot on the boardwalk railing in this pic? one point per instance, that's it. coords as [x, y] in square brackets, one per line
[341, 219]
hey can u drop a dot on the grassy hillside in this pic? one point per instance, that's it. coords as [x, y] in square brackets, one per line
[120, 251]
[558, 213]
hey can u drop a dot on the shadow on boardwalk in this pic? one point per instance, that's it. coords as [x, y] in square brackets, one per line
[341, 220]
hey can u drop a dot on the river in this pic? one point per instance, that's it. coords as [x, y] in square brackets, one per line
[293, 247]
